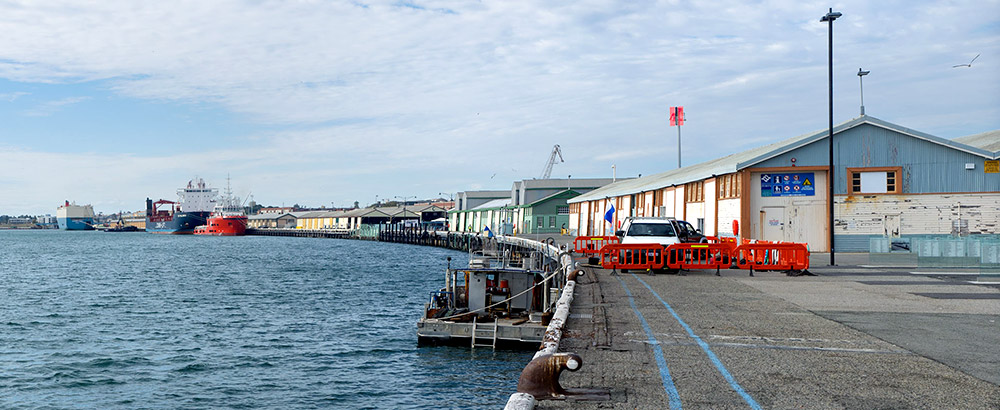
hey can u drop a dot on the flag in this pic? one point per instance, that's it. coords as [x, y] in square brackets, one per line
[489, 233]
[610, 216]
[676, 116]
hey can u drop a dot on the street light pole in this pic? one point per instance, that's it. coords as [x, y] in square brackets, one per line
[830, 17]
[862, 82]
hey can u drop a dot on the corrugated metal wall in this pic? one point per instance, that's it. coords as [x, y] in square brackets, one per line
[927, 167]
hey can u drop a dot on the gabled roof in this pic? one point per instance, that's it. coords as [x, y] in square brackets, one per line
[496, 203]
[269, 215]
[485, 194]
[563, 192]
[741, 160]
[989, 140]
[816, 136]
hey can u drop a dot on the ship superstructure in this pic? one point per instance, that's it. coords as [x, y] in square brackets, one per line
[73, 217]
[227, 219]
[193, 207]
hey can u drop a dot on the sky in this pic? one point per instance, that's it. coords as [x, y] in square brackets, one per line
[324, 103]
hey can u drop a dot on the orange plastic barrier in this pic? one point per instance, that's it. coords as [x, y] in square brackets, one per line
[591, 245]
[772, 256]
[699, 255]
[632, 256]
[715, 239]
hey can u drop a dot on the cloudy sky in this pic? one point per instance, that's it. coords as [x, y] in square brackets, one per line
[327, 103]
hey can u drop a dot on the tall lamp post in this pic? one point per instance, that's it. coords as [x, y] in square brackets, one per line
[862, 83]
[404, 198]
[830, 17]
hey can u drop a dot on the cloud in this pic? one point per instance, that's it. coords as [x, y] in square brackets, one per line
[50, 107]
[10, 97]
[343, 99]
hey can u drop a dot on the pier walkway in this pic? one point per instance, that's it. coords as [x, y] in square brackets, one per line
[850, 337]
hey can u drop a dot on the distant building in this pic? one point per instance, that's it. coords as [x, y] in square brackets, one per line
[46, 221]
[273, 210]
[531, 206]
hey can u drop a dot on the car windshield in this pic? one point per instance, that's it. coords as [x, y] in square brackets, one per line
[641, 229]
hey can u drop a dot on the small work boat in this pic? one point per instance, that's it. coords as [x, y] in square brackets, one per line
[499, 300]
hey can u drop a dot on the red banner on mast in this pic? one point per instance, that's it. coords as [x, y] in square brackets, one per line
[676, 116]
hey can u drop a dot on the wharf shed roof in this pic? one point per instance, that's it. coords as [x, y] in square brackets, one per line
[496, 203]
[989, 140]
[562, 183]
[557, 194]
[485, 194]
[742, 160]
[268, 216]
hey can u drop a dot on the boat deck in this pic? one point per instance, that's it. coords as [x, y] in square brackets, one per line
[509, 333]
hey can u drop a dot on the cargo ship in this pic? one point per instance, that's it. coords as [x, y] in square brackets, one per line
[227, 219]
[73, 217]
[194, 205]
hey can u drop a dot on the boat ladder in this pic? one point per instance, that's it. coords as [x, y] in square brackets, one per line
[484, 332]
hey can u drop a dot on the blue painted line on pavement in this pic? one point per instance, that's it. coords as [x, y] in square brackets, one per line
[704, 346]
[668, 382]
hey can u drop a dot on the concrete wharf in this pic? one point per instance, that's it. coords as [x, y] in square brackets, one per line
[854, 336]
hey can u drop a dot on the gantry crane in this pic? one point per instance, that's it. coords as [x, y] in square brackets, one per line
[552, 161]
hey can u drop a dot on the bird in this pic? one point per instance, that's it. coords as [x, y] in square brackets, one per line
[966, 65]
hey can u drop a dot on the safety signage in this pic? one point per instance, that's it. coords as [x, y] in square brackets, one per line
[992, 167]
[798, 184]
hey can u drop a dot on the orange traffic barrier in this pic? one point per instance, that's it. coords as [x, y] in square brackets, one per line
[772, 256]
[716, 239]
[699, 256]
[591, 245]
[632, 256]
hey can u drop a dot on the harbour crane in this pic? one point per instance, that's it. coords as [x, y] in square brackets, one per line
[552, 161]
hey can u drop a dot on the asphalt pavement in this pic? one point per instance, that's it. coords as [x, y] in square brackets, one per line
[852, 336]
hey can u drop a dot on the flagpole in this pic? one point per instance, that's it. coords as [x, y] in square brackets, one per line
[677, 113]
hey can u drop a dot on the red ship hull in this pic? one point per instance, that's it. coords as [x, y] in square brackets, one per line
[229, 225]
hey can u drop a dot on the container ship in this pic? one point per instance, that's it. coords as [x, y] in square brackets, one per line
[227, 219]
[73, 217]
[193, 207]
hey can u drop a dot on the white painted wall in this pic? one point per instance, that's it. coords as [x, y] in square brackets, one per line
[729, 211]
[918, 214]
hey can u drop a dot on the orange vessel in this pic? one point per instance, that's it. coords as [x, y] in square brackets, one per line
[227, 219]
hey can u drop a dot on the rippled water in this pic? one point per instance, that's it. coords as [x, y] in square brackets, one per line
[135, 320]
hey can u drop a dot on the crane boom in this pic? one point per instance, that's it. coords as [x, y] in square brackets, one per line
[556, 152]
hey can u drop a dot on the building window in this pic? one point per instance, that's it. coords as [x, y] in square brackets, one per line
[862, 181]
[694, 191]
[562, 210]
[729, 186]
[552, 222]
[541, 221]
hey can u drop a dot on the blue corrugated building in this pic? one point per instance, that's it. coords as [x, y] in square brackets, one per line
[889, 181]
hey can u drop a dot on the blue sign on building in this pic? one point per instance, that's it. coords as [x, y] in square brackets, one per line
[798, 184]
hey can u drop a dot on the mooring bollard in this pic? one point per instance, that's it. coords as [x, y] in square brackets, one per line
[540, 377]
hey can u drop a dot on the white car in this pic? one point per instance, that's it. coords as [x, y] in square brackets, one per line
[663, 231]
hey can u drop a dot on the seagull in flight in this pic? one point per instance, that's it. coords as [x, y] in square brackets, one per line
[966, 65]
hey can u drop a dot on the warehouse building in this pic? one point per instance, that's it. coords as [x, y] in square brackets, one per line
[532, 206]
[889, 181]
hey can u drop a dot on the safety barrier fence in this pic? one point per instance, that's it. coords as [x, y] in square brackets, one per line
[632, 256]
[591, 245]
[772, 256]
[700, 255]
[752, 256]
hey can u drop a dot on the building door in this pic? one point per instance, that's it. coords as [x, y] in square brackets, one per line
[772, 221]
[890, 225]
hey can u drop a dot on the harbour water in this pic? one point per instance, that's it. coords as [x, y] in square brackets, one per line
[133, 320]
